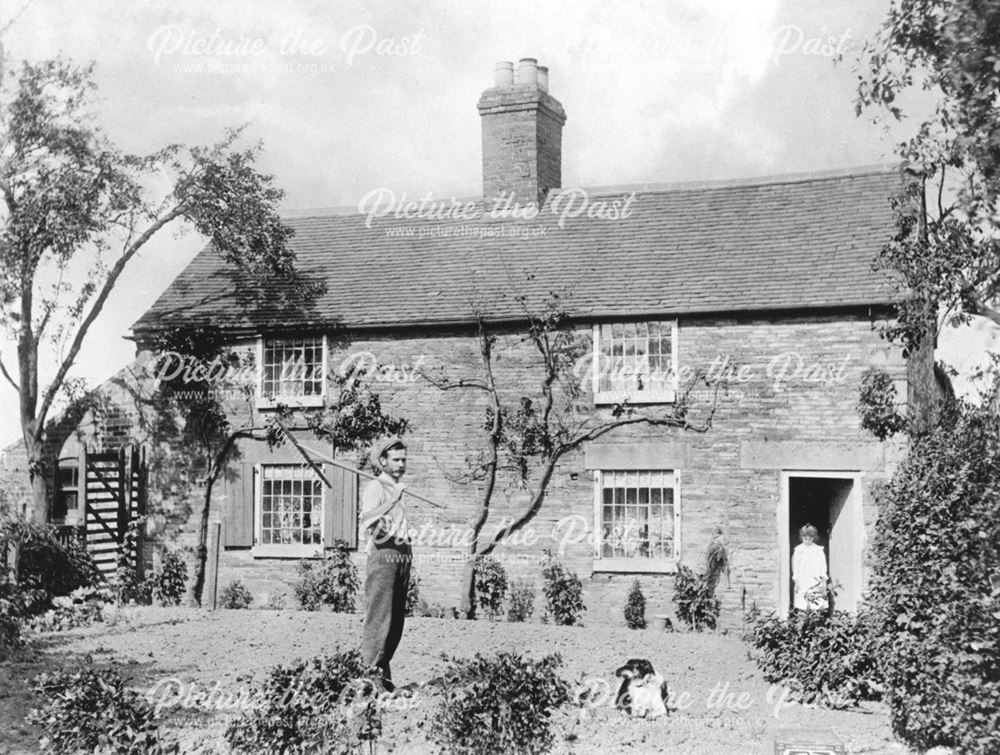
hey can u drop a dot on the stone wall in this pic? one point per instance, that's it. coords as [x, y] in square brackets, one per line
[787, 402]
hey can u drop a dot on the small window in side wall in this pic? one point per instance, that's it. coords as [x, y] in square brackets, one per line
[637, 520]
[635, 362]
[65, 506]
[292, 371]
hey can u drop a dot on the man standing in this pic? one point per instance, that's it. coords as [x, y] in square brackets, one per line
[389, 556]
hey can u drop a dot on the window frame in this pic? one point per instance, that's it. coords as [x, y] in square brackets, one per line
[635, 564]
[662, 396]
[272, 402]
[284, 550]
[70, 515]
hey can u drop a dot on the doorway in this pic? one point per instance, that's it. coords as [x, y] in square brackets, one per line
[831, 502]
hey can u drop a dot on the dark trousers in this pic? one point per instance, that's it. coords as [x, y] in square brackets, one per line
[388, 576]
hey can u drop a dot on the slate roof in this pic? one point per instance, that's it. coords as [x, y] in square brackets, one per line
[788, 243]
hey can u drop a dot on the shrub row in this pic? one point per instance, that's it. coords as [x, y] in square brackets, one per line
[497, 704]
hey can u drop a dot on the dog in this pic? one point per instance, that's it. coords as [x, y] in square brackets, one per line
[643, 692]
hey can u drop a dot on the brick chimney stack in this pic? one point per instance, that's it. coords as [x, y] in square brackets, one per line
[522, 134]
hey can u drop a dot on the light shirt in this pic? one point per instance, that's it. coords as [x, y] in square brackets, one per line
[809, 576]
[390, 525]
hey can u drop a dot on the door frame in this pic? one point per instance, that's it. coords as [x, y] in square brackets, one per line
[784, 548]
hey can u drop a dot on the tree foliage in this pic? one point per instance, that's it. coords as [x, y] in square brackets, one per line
[877, 404]
[945, 251]
[75, 207]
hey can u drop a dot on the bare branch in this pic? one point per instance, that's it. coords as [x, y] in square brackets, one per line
[6, 374]
[983, 310]
[537, 499]
[95, 309]
[940, 196]
[447, 385]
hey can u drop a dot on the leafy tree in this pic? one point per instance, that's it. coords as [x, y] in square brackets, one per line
[527, 435]
[74, 201]
[945, 254]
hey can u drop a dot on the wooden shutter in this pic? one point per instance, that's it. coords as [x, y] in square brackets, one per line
[238, 507]
[340, 506]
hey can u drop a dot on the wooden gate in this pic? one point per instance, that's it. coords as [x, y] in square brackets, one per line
[114, 495]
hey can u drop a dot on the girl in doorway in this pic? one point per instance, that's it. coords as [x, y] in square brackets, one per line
[809, 571]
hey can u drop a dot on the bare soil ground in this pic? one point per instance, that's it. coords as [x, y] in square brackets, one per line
[721, 704]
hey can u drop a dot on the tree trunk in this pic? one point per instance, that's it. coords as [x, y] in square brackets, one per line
[217, 468]
[39, 481]
[40, 498]
[202, 552]
[468, 603]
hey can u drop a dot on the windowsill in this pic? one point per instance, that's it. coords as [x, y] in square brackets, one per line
[635, 566]
[609, 398]
[287, 551]
[270, 403]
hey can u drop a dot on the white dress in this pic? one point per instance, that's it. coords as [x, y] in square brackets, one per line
[809, 576]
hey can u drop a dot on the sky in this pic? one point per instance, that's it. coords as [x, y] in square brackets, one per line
[350, 96]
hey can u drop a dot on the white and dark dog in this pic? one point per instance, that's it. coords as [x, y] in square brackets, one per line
[643, 692]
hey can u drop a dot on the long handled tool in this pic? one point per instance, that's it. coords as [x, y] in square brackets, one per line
[302, 449]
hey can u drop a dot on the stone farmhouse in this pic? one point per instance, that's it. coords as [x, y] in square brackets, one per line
[766, 284]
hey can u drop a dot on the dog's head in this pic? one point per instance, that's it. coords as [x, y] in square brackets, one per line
[635, 668]
[642, 692]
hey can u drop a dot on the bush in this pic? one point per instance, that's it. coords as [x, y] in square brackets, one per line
[826, 660]
[431, 610]
[170, 580]
[275, 602]
[308, 707]
[235, 595]
[91, 710]
[522, 601]
[936, 549]
[491, 586]
[52, 567]
[563, 594]
[128, 587]
[695, 598]
[635, 608]
[501, 704]
[412, 593]
[10, 629]
[694, 594]
[334, 582]
[82, 608]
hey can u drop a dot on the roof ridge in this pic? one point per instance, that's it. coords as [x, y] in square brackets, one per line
[648, 188]
[858, 171]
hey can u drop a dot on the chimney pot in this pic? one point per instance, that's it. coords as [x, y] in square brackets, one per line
[504, 74]
[543, 78]
[527, 72]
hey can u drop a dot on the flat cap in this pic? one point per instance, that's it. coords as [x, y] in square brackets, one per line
[381, 446]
